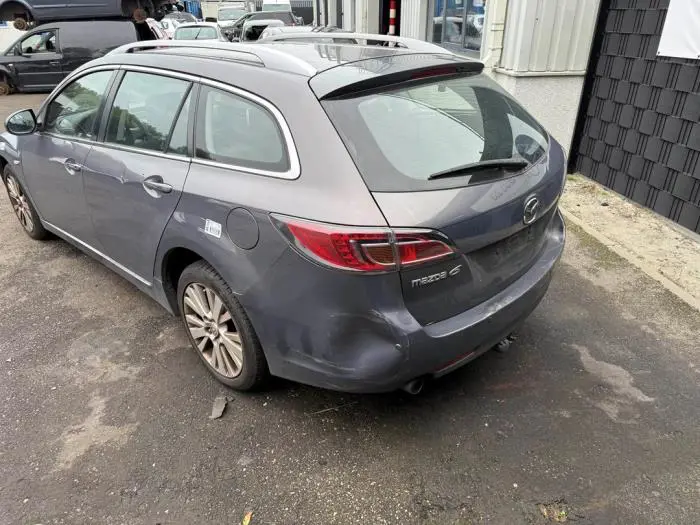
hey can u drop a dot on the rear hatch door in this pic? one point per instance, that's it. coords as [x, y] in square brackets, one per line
[448, 150]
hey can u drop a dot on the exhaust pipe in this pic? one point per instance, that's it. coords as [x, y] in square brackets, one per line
[504, 345]
[413, 387]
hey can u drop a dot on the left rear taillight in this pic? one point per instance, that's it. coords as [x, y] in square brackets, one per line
[363, 249]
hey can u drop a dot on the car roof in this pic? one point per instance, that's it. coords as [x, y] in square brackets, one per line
[303, 60]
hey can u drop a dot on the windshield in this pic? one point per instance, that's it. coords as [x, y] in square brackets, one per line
[401, 137]
[196, 33]
[231, 14]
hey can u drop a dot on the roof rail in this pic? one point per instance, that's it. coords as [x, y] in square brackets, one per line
[259, 55]
[399, 41]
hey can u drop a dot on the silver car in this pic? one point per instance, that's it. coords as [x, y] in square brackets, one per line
[358, 218]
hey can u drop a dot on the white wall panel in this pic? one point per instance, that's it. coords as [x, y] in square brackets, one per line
[548, 36]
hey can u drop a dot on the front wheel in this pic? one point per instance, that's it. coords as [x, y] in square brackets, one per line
[219, 329]
[23, 208]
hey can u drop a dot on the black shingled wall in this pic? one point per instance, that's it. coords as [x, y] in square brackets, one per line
[639, 128]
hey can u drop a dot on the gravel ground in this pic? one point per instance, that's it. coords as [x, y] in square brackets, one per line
[590, 418]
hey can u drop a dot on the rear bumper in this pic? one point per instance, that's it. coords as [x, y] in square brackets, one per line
[384, 350]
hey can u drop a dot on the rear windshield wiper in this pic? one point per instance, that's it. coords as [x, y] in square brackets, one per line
[466, 169]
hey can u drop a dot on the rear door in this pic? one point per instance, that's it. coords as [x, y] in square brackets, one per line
[454, 153]
[134, 177]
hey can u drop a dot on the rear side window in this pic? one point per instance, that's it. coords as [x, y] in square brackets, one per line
[74, 111]
[236, 131]
[144, 110]
[398, 138]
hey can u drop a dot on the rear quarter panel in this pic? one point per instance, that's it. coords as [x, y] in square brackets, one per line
[329, 188]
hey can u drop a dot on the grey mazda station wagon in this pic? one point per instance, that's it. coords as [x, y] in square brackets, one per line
[353, 217]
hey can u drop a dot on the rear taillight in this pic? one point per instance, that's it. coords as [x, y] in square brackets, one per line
[363, 249]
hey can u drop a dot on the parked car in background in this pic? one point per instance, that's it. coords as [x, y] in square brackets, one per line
[157, 29]
[286, 17]
[42, 57]
[181, 17]
[23, 12]
[229, 15]
[199, 31]
[421, 234]
[276, 5]
[252, 29]
[281, 31]
[169, 25]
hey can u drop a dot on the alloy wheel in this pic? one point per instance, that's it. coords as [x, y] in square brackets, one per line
[212, 328]
[20, 203]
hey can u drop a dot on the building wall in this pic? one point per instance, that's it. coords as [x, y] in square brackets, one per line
[552, 100]
[8, 35]
[639, 132]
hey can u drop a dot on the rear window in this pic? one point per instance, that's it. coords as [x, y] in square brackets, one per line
[196, 33]
[398, 138]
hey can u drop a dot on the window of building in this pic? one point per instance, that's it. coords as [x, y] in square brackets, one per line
[457, 25]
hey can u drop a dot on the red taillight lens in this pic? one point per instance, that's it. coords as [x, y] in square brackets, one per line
[420, 248]
[363, 249]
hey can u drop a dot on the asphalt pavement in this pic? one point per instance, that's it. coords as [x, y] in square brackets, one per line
[591, 417]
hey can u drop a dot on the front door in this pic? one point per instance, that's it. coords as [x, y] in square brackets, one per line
[134, 180]
[53, 157]
[38, 63]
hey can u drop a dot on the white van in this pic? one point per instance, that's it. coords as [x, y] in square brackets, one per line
[276, 5]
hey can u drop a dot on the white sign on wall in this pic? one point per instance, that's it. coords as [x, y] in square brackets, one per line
[681, 33]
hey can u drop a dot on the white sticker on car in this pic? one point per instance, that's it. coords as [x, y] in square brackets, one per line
[212, 228]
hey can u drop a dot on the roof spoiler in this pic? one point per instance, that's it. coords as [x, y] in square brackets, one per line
[377, 73]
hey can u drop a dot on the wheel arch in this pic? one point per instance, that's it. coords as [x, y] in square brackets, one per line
[9, 7]
[7, 75]
[174, 261]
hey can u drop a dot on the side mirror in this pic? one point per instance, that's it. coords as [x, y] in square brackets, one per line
[21, 123]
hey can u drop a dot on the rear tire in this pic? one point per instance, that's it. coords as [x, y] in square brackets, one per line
[23, 207]
[220, 333]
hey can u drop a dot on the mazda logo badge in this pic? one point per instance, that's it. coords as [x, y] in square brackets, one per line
[531, 209]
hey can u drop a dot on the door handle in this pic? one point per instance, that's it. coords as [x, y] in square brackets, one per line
[54, 63]
[155, 183]
[72, 167]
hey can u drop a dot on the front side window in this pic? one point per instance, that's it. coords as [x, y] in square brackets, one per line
[144, 110]
[233, 130]
[196, 33]
[74, 112]
[410, 138]
[43, 42]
